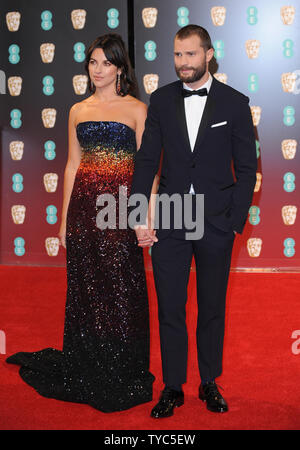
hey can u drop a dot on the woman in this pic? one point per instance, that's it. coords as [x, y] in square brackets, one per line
[105, 356]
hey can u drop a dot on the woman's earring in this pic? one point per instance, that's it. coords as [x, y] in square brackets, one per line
[118, 84]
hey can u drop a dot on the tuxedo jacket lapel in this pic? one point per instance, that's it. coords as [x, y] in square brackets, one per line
[206, 116]
[180, 112]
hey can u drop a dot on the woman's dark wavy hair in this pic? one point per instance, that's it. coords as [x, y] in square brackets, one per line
[113, 47]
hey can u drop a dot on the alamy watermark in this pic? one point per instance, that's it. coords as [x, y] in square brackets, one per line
[296, 343]
[176, 207]
[2, 82]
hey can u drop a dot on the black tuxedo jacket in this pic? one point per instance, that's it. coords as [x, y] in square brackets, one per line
[227, 193]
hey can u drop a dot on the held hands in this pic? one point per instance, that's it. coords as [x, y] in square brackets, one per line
[145, 236]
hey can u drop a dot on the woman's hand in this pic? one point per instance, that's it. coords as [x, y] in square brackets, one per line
[145, 236]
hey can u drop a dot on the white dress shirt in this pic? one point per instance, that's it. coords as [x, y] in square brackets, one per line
[194, 107]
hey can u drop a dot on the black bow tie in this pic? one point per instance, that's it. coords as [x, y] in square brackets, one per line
[200, 92]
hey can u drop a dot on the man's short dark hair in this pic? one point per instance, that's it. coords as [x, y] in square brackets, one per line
[189, 30]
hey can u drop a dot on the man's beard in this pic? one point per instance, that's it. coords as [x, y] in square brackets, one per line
[197, 74]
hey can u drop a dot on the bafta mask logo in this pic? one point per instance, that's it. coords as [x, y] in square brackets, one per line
[78, 17]
[49, 117]
[18, 214]
[150, 81]
[288, 81]
[258, 182]
[80, 84]
[47, 51]
[16, 149]
[252, 48]
[14, 85]
[149, 16]
[218, 15]
[52, 246]
[222, 77]
[256, 114]
[289, 148]
[50, 181]
[254, 247]
[289, 214]
[13, 20]
[287, 14]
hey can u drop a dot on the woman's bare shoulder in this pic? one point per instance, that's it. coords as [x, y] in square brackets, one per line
[139, 108]
[136, 102]
[79, 107]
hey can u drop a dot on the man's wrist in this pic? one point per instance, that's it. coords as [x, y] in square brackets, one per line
[144, 227]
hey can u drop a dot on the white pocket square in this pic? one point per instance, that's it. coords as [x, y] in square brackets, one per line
[219, 124]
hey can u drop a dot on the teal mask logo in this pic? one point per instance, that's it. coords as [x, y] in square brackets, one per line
[254, 213]
[14, 51]
[49, 147]
[219, 49]
[79, 52]
[112, 18]
[15, 116]
[253, 82]
[19, 244]
[48, 82]
[289, 182]
[288, 50]
[252, 15]
[182, 16]
[51, 211]
[289, 116]
[289, 244]
[46, 23]
[17, 186]
[150, 50]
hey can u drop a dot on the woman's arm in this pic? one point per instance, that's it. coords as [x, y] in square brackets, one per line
[73, 162]
[139, 133]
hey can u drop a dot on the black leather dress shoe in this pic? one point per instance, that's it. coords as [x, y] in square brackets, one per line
[210, 394]
[168, 400]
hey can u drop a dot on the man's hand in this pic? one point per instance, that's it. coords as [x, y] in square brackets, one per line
[145, 236]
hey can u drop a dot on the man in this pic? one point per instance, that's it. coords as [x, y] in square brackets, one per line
[203, 126]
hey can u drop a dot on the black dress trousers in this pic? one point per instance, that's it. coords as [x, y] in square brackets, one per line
[171, 260]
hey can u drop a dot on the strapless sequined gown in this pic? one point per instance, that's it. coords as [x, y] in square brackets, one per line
[105, 356]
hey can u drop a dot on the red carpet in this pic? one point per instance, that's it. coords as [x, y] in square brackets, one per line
[260, 372]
